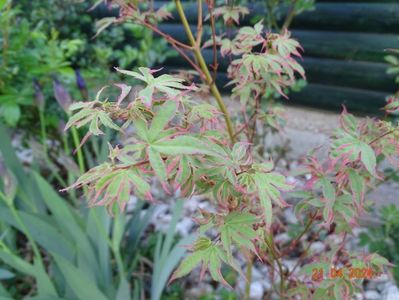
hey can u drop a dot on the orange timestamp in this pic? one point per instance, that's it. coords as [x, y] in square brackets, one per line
[352, 273]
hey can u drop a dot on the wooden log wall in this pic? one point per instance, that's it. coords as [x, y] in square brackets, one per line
[344, 44]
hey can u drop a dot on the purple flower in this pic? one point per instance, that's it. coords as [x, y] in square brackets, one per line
[80, 82]
[39, 97]
[61, 95]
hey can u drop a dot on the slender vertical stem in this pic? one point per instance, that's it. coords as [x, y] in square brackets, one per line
[290, 16]
[199, 23]
[202, 64]
[43, 130]
[276, 258]
[75, 137]
[248, 276]
[214, 50]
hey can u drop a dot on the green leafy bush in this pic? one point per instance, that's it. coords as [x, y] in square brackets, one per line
[52, 37]
[384, 238]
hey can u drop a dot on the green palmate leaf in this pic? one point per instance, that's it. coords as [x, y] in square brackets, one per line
[116, 185]
[352, 148]
[167, 84]
[210, 257]
[368, 158]
[141, 185]
[161, 119]
[328, 189]
[81, 118]
[215, 265]
[358, 185]
[106, 121]
[237, 229]
[266, 204]
[157, 164]
[93, 116]
[141, 129]
[183, 144]
[268, 186]
[189, 263]
[379, 261]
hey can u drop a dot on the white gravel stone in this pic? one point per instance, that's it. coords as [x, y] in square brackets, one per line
[317, 247]
[198, 290]
[290, 216]
[257, 274]
[282, 238]
[290, 263]
[358, 296]
[372, 295]
[391, 292]
[184, 226]
[256, 291]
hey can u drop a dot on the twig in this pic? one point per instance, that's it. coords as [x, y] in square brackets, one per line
[214, 45]
[199, 23]
[176, 44]
[248, 276]
[303, 255]
[381, 136]
[276, 258]
[204, 68]
[290, 16]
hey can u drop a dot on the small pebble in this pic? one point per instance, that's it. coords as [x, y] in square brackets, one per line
[372, 295]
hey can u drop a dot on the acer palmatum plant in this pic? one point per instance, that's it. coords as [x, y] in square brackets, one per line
[192, 147]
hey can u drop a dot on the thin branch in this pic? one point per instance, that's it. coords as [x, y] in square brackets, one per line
[168, 37]
[176, 44]
[280, 267]
[214, 45]
[381, 136]
[199, 24]
[295, 241]
[303, 255]
[290, 16]
[204, 68]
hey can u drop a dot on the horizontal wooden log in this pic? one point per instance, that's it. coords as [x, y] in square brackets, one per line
[332, 98]
[353, 17]
[328, 97]
[348, 46]
[359, 1]
[337, 45]
[353, 74]
[359, 17]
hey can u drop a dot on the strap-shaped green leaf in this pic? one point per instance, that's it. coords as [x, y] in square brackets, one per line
[83, 286]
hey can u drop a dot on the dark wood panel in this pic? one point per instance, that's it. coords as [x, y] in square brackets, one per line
[349, 17]
[363, 75]
[337, 45]
[328, 97]
[361, 17]
[332, 98]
